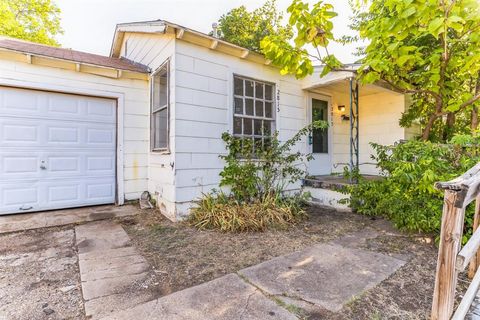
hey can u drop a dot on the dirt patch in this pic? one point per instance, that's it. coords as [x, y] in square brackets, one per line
[183, 257]
[39, 276]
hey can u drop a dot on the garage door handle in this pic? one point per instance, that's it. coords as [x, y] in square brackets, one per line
[43, 166]
[25, 208]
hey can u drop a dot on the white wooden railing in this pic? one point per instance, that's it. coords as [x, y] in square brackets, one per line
[452, 258]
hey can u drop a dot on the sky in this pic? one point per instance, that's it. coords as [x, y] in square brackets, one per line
[89, 24]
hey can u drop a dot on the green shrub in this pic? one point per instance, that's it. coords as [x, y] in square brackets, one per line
[256, 175]
[406, 194]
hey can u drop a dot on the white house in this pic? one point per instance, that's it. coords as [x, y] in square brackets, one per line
[79, 129]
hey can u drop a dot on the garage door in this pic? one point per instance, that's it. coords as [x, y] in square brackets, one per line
[56, 150]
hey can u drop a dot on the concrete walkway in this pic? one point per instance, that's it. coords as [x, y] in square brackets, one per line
[44, 219]
[113, 274]
[323, 277]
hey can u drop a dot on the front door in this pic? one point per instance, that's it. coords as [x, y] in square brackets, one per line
[319, 140]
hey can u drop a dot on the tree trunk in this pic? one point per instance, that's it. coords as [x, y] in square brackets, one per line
[428, 127]
[474, 119]
[449, 126]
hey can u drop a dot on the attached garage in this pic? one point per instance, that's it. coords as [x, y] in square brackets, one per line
[72, 128]
[58, 150]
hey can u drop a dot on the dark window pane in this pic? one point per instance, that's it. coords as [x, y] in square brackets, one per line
[267, 128]
[320, 136]
[259, 108]
[267, 143]
[160, 89]
[249, 107]
[257, 127]
[249, 88]
[160, 129]
[164, 88]
[268, 109]
[259, 90]
[237, 125]
[238, 105]
[247, 126]
[258, 144]
[238, 86]
[268, 92]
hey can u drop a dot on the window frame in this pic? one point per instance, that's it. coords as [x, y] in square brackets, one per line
[272, 119]
[166, 149]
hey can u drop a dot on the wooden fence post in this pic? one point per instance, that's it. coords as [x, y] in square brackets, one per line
[450, 241]
[472, 269]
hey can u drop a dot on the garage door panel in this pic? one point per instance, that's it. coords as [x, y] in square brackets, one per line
[58, 150]
[47, 105]
[20, 132]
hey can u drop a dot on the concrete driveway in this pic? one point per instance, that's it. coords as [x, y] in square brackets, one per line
[39, 272]
[39, 276]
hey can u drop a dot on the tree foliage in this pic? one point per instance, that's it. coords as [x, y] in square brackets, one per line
[247, 29]
[429, 49]
[312, 28]
[32, 20]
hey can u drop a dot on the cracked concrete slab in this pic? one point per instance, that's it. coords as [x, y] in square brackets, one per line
[114, 275]
[36, 220]
[225, 298]
[326, 275]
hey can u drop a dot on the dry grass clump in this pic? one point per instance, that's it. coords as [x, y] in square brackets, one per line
[221, 212]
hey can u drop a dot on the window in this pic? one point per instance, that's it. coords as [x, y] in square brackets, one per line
[160, 109]
[253, 116]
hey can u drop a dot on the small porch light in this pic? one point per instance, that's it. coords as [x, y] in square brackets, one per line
[343, 116]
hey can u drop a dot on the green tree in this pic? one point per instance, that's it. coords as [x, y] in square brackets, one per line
[429, 49]
[247, 29]
[32, 20]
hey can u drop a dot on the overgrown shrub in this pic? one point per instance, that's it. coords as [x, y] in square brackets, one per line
[222, 212]
[257, 174]
[406, 194]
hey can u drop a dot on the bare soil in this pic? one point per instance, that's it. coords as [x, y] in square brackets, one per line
[39, 276]
[183, 256]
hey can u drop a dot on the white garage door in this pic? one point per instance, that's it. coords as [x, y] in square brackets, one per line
[56, 150]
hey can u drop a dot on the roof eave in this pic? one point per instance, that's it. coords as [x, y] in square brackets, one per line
[39, 59]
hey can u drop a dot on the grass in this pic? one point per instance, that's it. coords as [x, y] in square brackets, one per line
[221, 212]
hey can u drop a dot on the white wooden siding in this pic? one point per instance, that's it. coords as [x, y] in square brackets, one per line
[153, 50]
[134, 94]
[204, 106]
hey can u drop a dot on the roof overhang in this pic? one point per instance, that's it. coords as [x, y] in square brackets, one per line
[339, 81]
[183, 34]
[42, 60]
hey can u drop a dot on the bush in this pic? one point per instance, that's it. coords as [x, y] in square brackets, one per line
[257, 175]
[406, 194]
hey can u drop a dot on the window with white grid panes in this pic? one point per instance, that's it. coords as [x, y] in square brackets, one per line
[253, 114]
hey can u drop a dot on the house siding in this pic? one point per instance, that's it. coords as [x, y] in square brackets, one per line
[153, 50]
[135, 101]
[204, 110]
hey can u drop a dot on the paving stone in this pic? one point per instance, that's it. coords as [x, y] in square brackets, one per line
[108, 286]
[108, 253]
[89, 266]
[327, 275]
[225, 298]
[114, 275]
[117, 271]
[104, 306]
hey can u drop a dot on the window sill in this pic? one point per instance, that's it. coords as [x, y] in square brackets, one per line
[161, 152]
